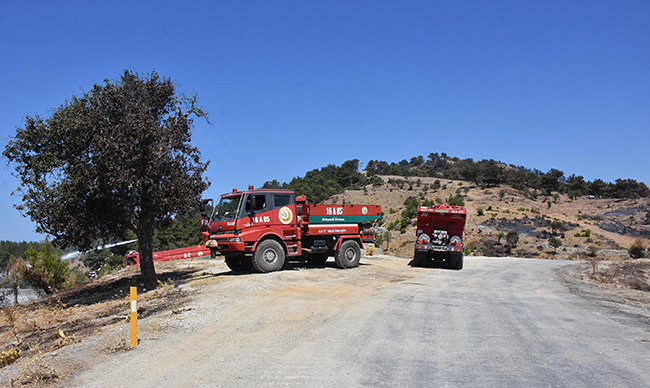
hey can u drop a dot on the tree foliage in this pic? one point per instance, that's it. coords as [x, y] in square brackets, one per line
[555, 243]
[117, 158]
[14, 248]
[319, 184]
[488, 173]
[512, 238]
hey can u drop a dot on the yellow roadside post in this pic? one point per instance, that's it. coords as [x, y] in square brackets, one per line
[134, 316]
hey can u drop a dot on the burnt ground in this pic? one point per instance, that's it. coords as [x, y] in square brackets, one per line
[622, 281]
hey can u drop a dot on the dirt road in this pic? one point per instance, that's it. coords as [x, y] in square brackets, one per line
[496, 323]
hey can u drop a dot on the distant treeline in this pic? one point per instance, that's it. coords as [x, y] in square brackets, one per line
[489, 173]
[319, 184]
[322, 183]
[16, 249]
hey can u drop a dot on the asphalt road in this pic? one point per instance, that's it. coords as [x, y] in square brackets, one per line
[496, 323]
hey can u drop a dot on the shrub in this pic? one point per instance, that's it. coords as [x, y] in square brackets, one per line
[585, 233]
[456, 200]
[379, 239]
[8, 356]
[637, 249]
[555, 243]
[512, 238]
[46, 269]
[479, 212]
[592, 250]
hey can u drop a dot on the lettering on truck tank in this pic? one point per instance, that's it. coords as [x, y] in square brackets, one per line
[334, 211]
[333, 219]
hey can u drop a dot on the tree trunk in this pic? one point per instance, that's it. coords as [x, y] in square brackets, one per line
[145, 242]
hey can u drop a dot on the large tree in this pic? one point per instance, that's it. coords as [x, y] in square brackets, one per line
[117, 158]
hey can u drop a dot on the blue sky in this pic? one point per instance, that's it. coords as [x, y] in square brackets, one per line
[295, 85]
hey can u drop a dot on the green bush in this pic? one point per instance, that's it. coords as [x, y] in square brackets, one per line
[46, 270]
[456, 200]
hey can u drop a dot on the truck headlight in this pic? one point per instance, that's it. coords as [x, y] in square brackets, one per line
[234, 239]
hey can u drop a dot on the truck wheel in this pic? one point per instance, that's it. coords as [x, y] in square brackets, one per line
[316, 258]
[349, 255]
[456, 261]
[269, 256]
[419, 259]
[239, 263]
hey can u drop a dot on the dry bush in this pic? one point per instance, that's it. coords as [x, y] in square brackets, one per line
[11, 315]
[8, 357]
[370, 250]
[179, 310]
[113, 343]
[37, 370]
[594, 267]
[637, 250]
[64, 341]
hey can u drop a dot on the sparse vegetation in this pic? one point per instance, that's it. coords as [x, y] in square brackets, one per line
[555, 243]
[8, 356]
[116, 342]
[37, 371]
[637, 249]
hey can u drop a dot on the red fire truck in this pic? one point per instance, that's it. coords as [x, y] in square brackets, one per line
[264, 228]
[440, 235]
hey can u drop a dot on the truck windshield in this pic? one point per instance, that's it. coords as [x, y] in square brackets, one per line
[226, 209]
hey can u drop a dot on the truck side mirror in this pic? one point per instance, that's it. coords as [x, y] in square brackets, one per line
[203, 206]
[299, 210]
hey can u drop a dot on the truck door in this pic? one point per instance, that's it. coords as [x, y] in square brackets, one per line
[255, 215]
[284, 220]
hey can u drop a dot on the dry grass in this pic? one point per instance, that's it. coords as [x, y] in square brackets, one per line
[594, 266]
[8, 356]
[114, 342]
[36, 371]
[28, 332]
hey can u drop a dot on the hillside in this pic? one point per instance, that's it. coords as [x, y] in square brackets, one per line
[613, 224]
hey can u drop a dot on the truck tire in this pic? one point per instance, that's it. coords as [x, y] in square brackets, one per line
[456, 261]
[349, 255]
[239, 263]
[315, 258]
[419, 259]
[269, 256]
